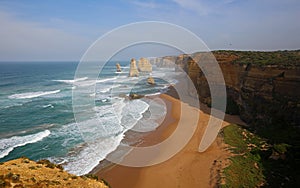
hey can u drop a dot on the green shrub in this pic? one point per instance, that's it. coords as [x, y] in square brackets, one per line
[281, 148]
[91, 176]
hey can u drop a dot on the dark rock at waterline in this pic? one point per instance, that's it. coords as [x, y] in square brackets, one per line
[151, 81]
[133, 96]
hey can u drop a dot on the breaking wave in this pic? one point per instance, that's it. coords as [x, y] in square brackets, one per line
[30, 95]
[7, 145]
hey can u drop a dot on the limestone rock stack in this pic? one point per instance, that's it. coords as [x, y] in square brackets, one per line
[133, 69]
[164, 62]
[144, 65]
[118, 67]
[150, 80]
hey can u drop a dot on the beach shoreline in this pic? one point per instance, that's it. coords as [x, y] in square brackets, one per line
[188, 168]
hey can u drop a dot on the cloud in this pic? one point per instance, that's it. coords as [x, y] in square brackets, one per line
[203, 7]
[194, 5]
[228, 1]
[144, 4]
[24, 40]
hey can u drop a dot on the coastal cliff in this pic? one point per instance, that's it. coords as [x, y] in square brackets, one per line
[167, 61]
[262, 87]
[23, 172]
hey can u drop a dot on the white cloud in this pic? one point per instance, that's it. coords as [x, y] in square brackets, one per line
[228, 1]
[23, 40]
[144, 4]
[203, 7]
[198, 6]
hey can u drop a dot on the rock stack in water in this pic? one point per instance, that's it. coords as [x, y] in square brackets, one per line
[118, 67]
[150, 80]
[133, 69]
[144, 65]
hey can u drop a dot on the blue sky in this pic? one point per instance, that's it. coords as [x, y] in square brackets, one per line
[63, 30]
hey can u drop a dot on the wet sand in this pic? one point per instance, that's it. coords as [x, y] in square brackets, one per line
[188, 168]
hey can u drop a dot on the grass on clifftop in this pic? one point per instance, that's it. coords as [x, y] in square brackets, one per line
[23, 172]
[258, 162]
[245, 169]
[286, 58]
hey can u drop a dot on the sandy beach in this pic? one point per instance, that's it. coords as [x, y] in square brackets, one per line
[188, 168]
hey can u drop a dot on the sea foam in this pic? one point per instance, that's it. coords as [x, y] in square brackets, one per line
[90, 155]
[7, 145]
[102, 135]
[30, 95]
[48, 106]
[72, 81]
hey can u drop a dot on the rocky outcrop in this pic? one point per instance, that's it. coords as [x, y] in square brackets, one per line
[262, 93]
[118, 66]
[144, 65]
[268, 94]
[133, 96]
[26, 173]
[150, 80]
[167, 62]
[133, 69]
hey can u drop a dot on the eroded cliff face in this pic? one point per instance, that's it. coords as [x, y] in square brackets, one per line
[144, 65]
[268, 94]
[168, 61]
[265, 94]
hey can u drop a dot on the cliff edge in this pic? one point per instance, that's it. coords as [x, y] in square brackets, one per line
[262, 87]
[23, 172]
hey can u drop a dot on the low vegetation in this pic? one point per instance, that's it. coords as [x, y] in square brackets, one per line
[245, 169]
[284, 58]
[48, 164]
[26, 173]
[258, 161]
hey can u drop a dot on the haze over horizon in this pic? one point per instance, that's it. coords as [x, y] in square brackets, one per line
[51, 31]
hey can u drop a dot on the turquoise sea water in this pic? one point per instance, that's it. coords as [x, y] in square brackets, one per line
[36, 114]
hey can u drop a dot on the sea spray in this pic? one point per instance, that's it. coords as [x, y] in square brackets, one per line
[30, 95]
[8, 144]
[22, 112]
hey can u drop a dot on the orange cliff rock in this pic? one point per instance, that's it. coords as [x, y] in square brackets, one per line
[261, 86]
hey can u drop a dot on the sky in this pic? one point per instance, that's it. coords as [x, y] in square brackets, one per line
[46, 30]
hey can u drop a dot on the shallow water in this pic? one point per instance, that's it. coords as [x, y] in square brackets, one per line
[36, 114]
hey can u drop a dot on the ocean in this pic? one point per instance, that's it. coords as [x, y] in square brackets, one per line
[36, 113]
